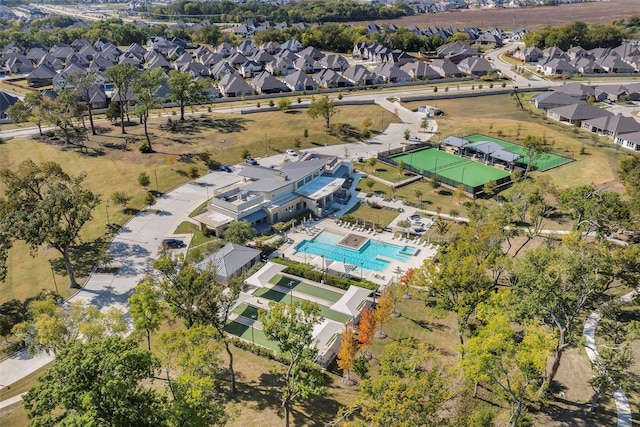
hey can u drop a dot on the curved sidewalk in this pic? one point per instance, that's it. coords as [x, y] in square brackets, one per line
[589, 332]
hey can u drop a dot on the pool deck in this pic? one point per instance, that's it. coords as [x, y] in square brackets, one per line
[384, 278]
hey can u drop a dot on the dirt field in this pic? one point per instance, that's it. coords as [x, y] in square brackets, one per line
[530, 18]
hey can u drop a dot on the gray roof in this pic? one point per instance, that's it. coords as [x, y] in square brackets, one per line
[288, 173]
[230, 259]
[505, 155]
[455, 141]
[486, 147]
[616, 124]
[6, 101]
[580, 112]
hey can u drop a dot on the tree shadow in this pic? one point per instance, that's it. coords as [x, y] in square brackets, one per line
[83, 258]
[195, 125]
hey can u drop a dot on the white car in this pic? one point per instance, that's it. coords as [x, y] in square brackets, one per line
[290, 152]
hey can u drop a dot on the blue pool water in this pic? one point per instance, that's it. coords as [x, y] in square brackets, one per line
[326, 244]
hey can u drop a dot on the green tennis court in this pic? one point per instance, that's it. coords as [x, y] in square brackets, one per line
[306, 288]
[452, 168]
[545, 162]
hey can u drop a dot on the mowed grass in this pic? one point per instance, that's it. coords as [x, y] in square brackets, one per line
[500, 116]
[111, 168]
[381, 217]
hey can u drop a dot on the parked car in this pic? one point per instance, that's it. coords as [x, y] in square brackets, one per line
[173, 243]
[290, 152]
[225, 168]
[415, 217]
[250, 161]
[414, 139]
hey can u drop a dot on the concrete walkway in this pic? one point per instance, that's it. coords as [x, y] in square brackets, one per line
[589, 332]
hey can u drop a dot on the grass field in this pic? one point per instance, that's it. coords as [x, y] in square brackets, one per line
[452, 167]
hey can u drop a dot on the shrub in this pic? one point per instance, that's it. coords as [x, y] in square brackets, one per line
[49, 134]
[308, 272]
[271, 103]
[144, 147]
[258, 104]
[504, 84]
[435, 88]
[150, 199]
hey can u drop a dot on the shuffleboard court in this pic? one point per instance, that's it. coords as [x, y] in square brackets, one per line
[454, 168]
[545, 162]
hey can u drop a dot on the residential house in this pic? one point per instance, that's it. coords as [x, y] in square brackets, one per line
[330, 79]
[299, 81]
[613, 64]
[575, 114]
[195, 69]
[586, 65]
[158, 61]
[420, 70]
[41, 76]
[6, 101]
[530, 54]
[62, 79]
[311, 52]
[630, 141]
[550, 100]
[230, 260]
[210, 59]
[391, 74]
[446, 68]
[16, 63]
[232, 85]
[250, 68]
[611, 126]
[293, 45]
[360, 75]
[615, 93]
[247, 48]
[557, 66]
[488, 38]
[225, 49]
[49, 60]
[397, 57]
[577, 52]
[334, 62]
[280, 67]
[236, 60]
[576, 90]
[272, 47]
[265, 83]
[262, 57]
[34, 55]
[476, 66]
[456, 51]
[184, 59]
[101, 63]
[307, 64]
[221, 69]
[554, 52]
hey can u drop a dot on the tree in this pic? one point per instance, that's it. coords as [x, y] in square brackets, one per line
[120, 198]
[369, 184]
[290, 326]
[144, 180]
[123, 76]
[558, 285]
[400, 168]
[441, 227]
[347, 352]
[383, 310]
[534, 147]
[410, 389]
[594, 210]
[185, 91]
[284, 104]
[367, 122]
[366, 328]
[460, 280]
[84, 85]
[498, 356]
[145, 87]
[209, 34]
[64, 112]
[52, 328]
[629, 171]
[460, 194]
[43, 205]
[191, 364]
[214, 305]
[99, 383]
[406, 135]
[146, 308]
[239, 232]
[419, 194]
[372, 163]
[490, 188]
[324, 108]
[19, 112]
[35, 101]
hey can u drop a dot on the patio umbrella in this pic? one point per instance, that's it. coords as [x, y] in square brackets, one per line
[341, 267]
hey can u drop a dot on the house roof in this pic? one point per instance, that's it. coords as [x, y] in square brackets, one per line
[299, 77]
[351, 302]
[266, 81]
[575, 89]
[288, 173]
[6, 101]
[555, 99]
[580, 112]
[228, 260]
[234, 83]
[616, 124]
[631, 137]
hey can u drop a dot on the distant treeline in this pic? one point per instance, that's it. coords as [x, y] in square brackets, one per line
[587, 36]
[304, 11]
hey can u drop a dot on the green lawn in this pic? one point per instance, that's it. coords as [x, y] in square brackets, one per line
[382, 217]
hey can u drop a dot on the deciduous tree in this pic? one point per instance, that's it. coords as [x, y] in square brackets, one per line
[84, 85]
[145, 88]
[410, 389]
[290, 326]
[185, 90]
[239, 232]
[366, 328]
[43, 205]
[534, 147]
[595, 210]
[146, 307]
[102, 382]
[324, 108]
[123, 76]
[383, 310]
[347, 352]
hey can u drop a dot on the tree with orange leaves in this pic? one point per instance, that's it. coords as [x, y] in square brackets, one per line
[383, 311]
[366, 328]
[347, 352]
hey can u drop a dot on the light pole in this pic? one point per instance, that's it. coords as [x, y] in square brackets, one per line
[361, 267]
[53, 274]
[436, 168]
[462, 181]
[253, 319]
[291, 291]
[305, 254]
[398, 271]
[156, 174]
[106, 207]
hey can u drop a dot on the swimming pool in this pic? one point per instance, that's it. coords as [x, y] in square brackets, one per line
[368, 256]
